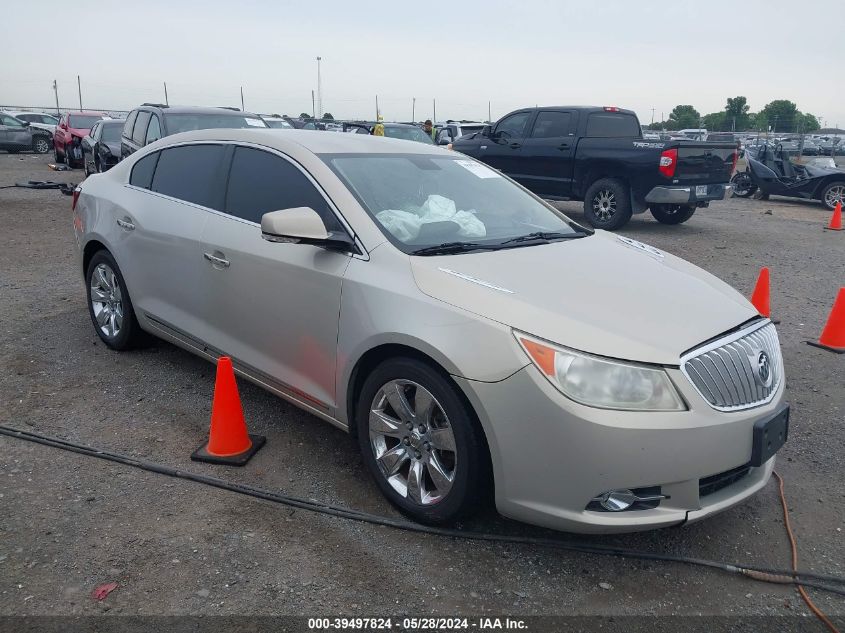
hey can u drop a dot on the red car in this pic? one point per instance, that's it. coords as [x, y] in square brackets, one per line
[72, 128]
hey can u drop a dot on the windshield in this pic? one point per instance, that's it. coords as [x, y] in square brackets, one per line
[111, 133]
[410, 133]
[187, 122]
[278, 123]
[422, 201]
[82, 121]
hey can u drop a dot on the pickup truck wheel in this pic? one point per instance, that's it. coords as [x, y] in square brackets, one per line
[672, 213]
[607, 204]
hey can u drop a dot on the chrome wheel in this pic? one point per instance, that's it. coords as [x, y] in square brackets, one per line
[41, 146]
[413, 442]
[833, 195]
[604, 204]
[106, 300]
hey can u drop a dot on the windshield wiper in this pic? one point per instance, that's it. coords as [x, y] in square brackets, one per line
[454, 247]
[543, 236]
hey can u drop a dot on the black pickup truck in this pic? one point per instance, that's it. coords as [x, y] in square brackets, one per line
[598, 155]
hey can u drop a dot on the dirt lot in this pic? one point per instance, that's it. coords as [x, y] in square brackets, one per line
[69, 523]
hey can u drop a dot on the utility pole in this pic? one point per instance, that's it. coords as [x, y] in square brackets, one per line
[79, 86]
[242, 99]
[489, 118]
[166, 102]
[434, 110]
[319, 90]
[56, 90]
[652, 116]
[376, 108]
[313, 107]
[413, 108]
[775, 126]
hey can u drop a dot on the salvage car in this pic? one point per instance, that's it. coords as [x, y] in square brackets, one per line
[598, 155]
[411, 296]
[101, 148]
[17, 136]
[770, 172]
[72, 128]
[36, 120]
[152, 121]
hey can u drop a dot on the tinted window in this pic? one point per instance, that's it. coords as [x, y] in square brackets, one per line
[514, 125]
[612, 124]
[83, 121]
[10, 121]
[142, 172]
[176, 123]
[141, 127]
[110, 133]
[94, 131]
[190, 173]
[130, 122]
[49, 120]
[552, 124]
[154, 131]
[260, 182]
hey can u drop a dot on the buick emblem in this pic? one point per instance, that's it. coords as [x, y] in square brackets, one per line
[763, 367]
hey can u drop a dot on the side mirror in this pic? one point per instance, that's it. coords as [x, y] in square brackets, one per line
[487, 131]
[25, 123]
[302, 225]
[444, 139]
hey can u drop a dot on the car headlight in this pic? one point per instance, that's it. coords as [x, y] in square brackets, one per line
[602, 382]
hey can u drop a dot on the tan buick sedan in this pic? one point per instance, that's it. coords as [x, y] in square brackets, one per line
[471, 337]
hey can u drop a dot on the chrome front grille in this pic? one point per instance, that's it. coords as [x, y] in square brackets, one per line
[740, 371]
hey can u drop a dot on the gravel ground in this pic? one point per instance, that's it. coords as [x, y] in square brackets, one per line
[69, 523]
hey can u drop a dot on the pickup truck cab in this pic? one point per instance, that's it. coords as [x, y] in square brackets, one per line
[598, 155]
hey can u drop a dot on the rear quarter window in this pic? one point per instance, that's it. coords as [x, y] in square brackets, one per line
[612, 124]
[130, 123]
[142, 172]
[141, 128]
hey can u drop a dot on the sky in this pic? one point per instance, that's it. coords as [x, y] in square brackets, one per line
[646, 55]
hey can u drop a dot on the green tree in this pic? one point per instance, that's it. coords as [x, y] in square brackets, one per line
[304, 115]
[809, 123]
[715, 122]
[782, 115]
[736, 113]
[684, 116]
[328, 117]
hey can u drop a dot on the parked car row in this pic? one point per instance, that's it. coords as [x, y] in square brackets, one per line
[17, 135]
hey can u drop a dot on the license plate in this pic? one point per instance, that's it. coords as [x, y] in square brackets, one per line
[769, 435]
[700, 190]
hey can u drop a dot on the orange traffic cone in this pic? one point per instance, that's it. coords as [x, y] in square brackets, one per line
[760, 296]
[835, 219]
[228, 441]
[833, 335]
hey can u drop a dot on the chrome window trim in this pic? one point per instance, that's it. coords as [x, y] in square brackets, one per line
[724, 342]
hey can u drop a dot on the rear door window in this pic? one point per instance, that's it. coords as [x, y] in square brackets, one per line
[142, 172]
[260, 182]
[130, 123]
[612, 125]
[552, 125]
[153, 131]
[191, 173]
[141, 127]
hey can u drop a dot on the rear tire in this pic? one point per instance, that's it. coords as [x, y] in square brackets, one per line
[744, 186]
[110, 306]
[672, 213]
[436, 433]
[607, 204]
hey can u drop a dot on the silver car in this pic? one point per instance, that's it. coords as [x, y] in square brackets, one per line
[473, 338]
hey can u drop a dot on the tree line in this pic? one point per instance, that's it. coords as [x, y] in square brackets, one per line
[779, 115]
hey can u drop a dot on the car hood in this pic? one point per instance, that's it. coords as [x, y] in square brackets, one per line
[603, 294]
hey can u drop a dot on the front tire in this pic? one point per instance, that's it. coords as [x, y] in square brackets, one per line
[833, 193]
[744, 186]
[109, 304]
[607, 204]
[672, 213]
[41, 145]
[68, 159]
[420, 442]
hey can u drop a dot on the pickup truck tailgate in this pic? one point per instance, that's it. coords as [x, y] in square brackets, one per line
[705, 162]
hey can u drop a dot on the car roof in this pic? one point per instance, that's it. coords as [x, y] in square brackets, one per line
[313, 141]
[196, 110]
[86, 112]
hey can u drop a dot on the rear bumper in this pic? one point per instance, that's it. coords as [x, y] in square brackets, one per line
[687, 195]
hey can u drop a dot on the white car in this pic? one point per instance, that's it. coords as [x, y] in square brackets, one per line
[39, 120]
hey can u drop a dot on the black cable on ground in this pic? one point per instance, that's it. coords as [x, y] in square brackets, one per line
[65, 187]
[763, 574]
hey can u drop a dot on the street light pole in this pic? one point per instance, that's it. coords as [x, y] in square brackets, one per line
[56, 90]
[79, 86]
[413, 108]
[319, 90]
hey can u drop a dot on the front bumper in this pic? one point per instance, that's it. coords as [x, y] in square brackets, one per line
[551, 456]
[687, 195]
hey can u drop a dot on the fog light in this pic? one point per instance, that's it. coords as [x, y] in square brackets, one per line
[617, 500]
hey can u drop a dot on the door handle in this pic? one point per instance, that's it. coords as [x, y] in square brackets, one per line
[217, 261]
[563, 146]
[126, 224]
[515, 145]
